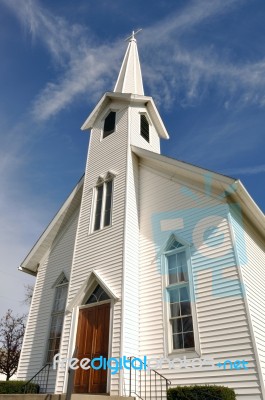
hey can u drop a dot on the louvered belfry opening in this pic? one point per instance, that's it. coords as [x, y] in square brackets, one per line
[144, 128]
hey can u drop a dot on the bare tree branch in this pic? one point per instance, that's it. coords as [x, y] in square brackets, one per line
[12, 329]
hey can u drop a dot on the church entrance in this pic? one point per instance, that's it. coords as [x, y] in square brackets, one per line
[92, 341]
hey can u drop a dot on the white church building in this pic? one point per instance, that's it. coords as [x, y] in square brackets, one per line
[148, 257]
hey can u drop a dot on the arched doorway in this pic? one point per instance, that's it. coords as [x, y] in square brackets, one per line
[92, 341]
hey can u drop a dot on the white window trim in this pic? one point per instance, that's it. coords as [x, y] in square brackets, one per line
[147, 117]
[168, 343]
[150, 125]
[56, 313]
[93, 206]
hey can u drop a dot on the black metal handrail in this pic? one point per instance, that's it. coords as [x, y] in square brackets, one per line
[71, 377]
[150, 385]
[40, 379]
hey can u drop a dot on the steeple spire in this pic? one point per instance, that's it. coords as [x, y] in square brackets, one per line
[130, 76]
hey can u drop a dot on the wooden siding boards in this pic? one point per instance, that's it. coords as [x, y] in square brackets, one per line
[103, 250]
[34, 350]
[222, 320]
[251, 259]
[135, 138]
[130, 345]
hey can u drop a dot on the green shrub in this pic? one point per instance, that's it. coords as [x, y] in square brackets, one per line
[12, 387]
[201, 393]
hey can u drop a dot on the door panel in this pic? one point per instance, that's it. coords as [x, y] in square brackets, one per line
[92, 342]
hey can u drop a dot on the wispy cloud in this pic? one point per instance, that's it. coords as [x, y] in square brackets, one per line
[84, 66]
[89, 67]
[191, 72]
[185, 20]
[251, 170]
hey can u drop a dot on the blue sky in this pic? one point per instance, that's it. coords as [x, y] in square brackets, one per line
[202, 61]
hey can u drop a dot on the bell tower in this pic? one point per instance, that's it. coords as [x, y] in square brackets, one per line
[107, 239]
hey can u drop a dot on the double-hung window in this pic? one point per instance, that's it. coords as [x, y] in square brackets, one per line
[181, 331]
[103, 204]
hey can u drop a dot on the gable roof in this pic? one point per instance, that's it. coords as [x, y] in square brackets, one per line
[188, 174]
[193, 176]
[44, 243]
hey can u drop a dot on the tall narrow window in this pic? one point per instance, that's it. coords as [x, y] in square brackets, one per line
[180, 313]
[99, 197]
[103, 203]
[57, 318]
[108, 201]
[109, 124]
[144, 128]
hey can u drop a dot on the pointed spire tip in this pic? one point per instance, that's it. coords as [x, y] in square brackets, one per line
[130, 76]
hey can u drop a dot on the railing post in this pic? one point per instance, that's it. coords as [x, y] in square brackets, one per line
[47, 379]
[150, 376]
[135, 381]
[71, 375]
[130, 382]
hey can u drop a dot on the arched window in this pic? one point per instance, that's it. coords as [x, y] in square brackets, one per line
[57, 317]
[178, 295]
[97, 296]
[103, 202]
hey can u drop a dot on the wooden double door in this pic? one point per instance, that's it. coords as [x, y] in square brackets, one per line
[92, 342]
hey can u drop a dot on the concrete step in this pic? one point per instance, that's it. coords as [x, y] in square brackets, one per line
[33, 396]
[61, 397]
[98, 397]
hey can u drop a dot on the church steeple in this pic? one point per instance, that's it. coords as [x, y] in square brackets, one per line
[130, 76]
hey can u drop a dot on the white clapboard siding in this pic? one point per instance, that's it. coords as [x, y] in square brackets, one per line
[131, 285]
[131, 268]
[102, 250]
[35, 344]
[221, 314]
[131, 262]
[135, 137]
[251, 257]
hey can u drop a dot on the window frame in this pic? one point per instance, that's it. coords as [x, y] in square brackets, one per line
[103, 182]
[104, 121]
[143, 114]
[104, 116]
[56, 314]
[170, 351]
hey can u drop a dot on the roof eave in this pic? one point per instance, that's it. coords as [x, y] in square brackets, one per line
[238, 194]
[27, 271]
[226, 180]
[131, 98]
[249, 207]
[29, 265]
